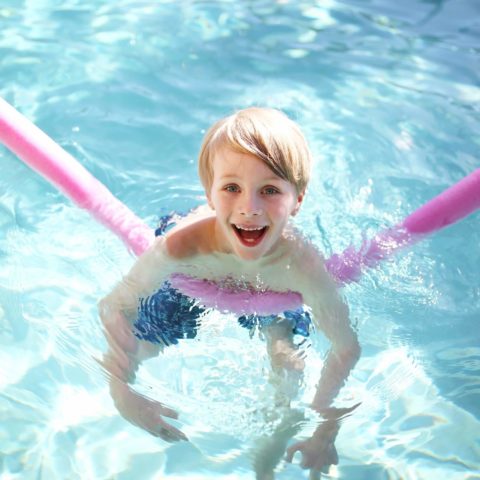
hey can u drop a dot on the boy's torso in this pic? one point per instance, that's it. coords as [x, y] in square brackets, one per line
[193, 248]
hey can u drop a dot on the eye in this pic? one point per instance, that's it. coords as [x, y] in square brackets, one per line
[270, 190]
[232, 188]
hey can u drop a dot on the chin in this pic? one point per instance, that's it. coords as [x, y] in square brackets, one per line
[250, 257]
[255, 253]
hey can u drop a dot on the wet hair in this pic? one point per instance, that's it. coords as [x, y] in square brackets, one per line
[266, 133]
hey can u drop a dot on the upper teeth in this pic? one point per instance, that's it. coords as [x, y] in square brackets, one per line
[249, 228]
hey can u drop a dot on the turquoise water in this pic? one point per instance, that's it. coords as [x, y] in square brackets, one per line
[388, 95]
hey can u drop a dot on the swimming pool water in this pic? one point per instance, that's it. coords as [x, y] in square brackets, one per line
[388, 95]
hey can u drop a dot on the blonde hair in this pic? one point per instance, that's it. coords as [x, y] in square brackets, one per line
[264, 132]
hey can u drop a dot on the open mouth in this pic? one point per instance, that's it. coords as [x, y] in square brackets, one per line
[250, 236]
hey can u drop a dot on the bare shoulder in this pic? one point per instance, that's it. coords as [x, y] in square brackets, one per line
[191, 237]
[320, 292]
[309, 263]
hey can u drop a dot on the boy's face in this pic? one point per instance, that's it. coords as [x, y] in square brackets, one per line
[252, 204]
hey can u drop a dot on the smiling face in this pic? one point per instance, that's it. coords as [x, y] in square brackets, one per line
[252, 204]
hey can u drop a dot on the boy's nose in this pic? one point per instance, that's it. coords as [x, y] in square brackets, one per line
[250, 206]
[251, 212]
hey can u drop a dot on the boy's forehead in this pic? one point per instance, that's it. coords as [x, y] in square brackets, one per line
[229, 159]
[225, 158]
[240, 165]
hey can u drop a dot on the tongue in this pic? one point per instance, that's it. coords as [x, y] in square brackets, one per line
[251, 234]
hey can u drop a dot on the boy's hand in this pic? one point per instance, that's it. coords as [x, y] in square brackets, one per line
[146, 413]
[318, 451]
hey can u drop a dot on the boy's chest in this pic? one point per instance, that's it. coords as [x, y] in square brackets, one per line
[278, 275]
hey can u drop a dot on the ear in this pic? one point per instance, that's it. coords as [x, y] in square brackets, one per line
[298, 204]
[209, 201]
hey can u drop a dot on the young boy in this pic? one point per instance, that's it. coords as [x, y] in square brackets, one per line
[254, 166]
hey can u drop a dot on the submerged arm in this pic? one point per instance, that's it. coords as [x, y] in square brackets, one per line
[331, 316]
[118, 311]
[319, 450]
[341, 358]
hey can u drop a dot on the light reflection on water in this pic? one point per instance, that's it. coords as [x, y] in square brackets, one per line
[387, 95]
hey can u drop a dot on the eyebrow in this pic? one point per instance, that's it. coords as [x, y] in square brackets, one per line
[233, 176]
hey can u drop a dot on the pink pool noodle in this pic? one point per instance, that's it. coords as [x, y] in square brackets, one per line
[42, 154]
[46, 157]
[446, 208]
[233, 299]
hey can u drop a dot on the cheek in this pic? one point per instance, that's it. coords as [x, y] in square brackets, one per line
[220, 205]
[281, 209]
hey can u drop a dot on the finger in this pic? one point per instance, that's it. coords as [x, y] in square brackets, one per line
[164, 435]
[347, 410]
[162, 432]
[290, 453]
[155, 411]
[170, 431]
[168, 436]
[181, 436]
[168, 412]
[171, 434]
[355, 406]
[333, 413]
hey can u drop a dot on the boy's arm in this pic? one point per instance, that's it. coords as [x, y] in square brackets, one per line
[333, 320]
[331, 316]
[118, 311]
